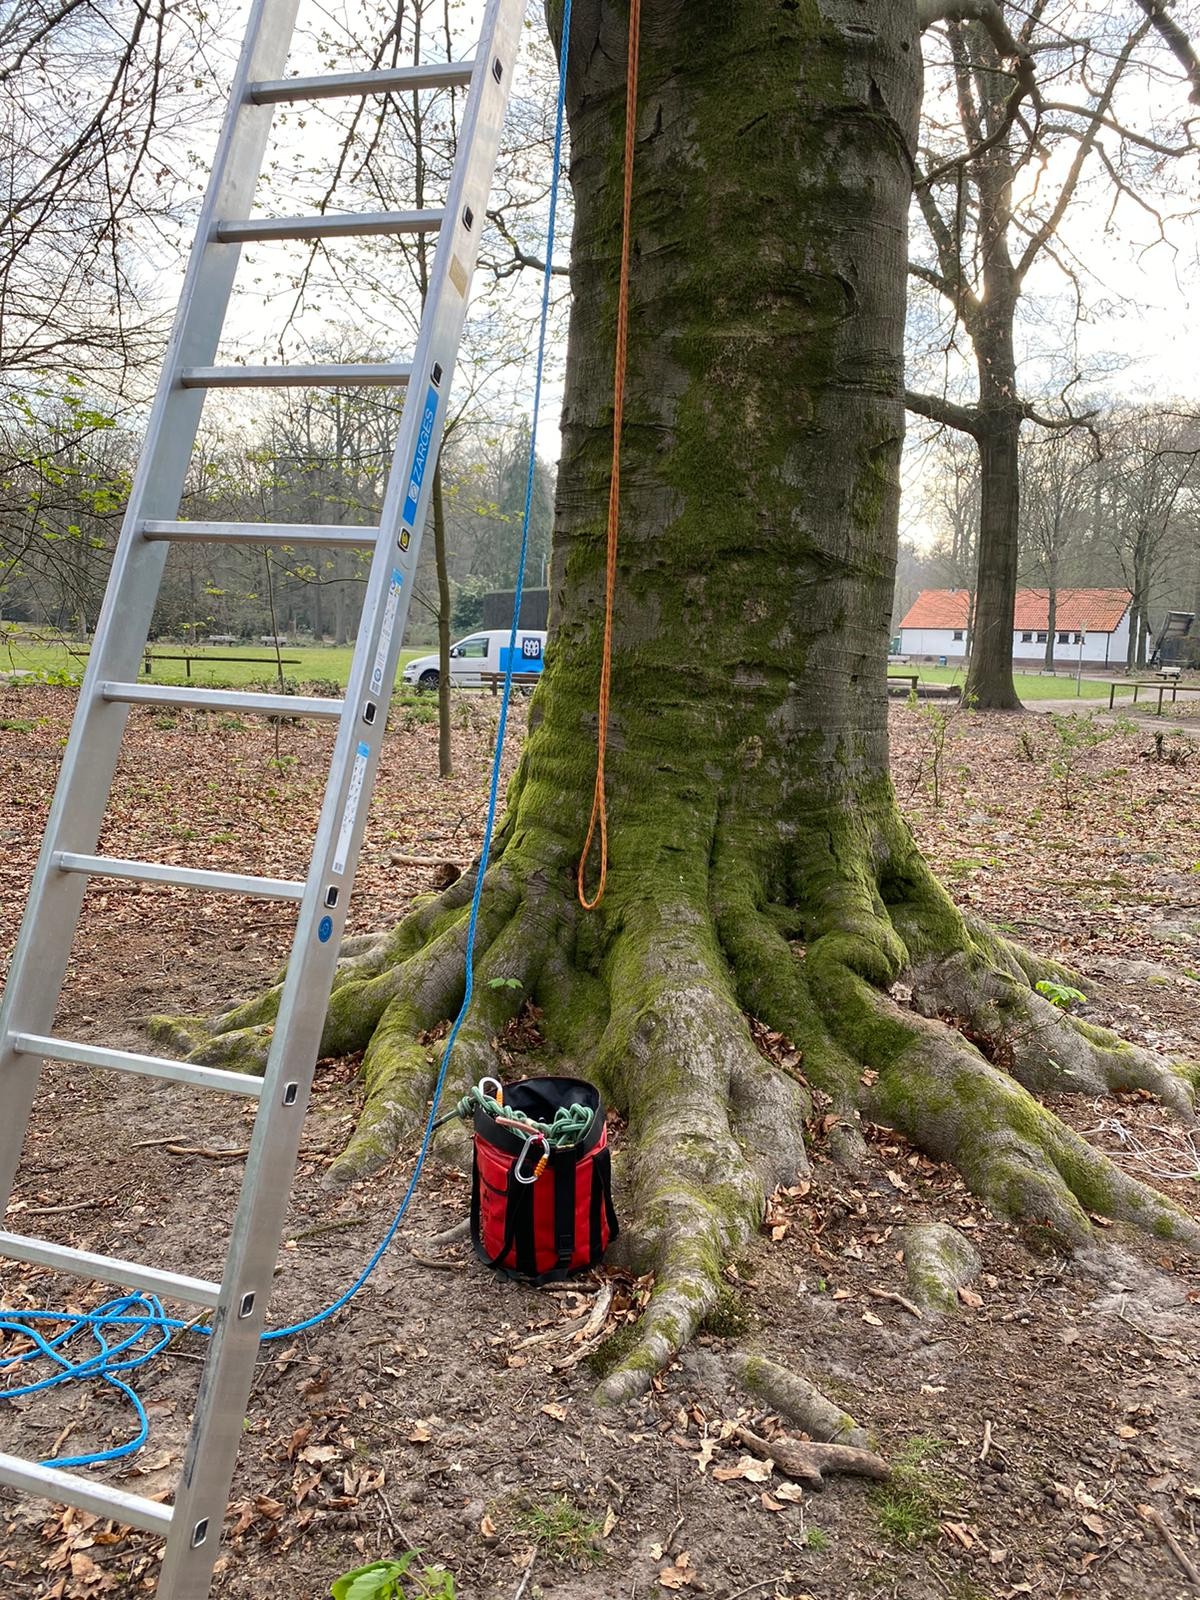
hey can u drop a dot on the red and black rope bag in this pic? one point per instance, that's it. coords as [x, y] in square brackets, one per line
[538, 1211]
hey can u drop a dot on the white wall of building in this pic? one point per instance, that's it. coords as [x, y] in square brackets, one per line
[1098, 649]
[932, 642]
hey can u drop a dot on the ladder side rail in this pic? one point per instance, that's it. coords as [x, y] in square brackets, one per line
[55, 898]
[249, 1272]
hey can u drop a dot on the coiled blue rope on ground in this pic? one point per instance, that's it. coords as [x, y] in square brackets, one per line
[131, 1330]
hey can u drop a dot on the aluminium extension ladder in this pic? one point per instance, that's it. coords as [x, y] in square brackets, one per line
[193, 1523]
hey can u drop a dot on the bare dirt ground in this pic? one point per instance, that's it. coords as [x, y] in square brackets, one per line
[1029, 1430]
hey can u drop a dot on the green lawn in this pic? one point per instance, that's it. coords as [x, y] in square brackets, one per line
[211, 666]
[314, 663]
[1030, 685]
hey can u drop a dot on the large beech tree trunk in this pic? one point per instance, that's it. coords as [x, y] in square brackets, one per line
[758, 862]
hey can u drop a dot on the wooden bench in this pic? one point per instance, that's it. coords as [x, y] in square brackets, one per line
[521, 680]
[1161, 687]
[923, 691]
[150, 658]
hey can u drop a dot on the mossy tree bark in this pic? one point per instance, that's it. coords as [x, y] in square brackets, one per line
[758, 861]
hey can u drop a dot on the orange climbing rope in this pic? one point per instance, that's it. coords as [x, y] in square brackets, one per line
[599, 802]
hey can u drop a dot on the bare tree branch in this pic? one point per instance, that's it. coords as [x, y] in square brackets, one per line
[1176, 40]
[939, 409]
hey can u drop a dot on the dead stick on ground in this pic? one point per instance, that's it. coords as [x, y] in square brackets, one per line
[460, 1230]
[987, 1441]
[751, 1587]
[1154, 1518]
[525, 1574]
[441, 1262]
[591, 1332]
[807, 1461]
[896, 1300]
[319, 1228]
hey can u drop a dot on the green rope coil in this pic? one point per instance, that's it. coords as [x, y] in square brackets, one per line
[569, 1127]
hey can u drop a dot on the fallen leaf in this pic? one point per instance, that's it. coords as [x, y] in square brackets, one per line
[969, 1297]
[708, 1449]
[789, 1492]
[869, 1316]
[559, 1413]
[316, 1454]
[748, 1467]
[610, 1521]
[487, 1527]
[771, 1504]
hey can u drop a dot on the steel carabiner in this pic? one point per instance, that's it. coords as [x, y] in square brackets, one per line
[518, 1170]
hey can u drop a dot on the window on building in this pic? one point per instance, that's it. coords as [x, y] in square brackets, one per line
[1041, 638]
[1027, 638]
[1078, 639]
[958, 633]
[1064, 638]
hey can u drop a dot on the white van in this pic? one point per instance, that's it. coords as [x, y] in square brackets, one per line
[479, 653]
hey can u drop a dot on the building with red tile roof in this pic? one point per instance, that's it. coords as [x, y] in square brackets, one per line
[1091, 625]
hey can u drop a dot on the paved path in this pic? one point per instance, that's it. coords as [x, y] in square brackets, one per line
[1140, 714]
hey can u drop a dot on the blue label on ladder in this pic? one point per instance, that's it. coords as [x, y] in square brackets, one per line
[421, 456]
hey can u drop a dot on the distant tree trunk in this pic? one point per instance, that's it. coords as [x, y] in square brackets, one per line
[445, 766]
[341, 630]
[989, 681]
[1135, 626]
[1051, 621]
[318, 615]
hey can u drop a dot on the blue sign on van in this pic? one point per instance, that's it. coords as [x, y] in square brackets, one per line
[527, 657]
[421, 456]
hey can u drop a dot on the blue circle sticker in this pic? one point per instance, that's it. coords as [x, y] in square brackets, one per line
[325, 929]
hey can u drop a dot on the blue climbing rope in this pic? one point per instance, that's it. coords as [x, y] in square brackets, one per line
[128, 1332]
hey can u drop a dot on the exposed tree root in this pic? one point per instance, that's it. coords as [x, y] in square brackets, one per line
[1047, 1051]
[650, 1001]
[795, 1398]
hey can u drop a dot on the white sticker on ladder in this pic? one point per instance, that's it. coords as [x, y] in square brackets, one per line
[389, 627]
[358, 774]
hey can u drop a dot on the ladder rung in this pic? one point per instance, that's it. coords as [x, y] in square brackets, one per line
[284, 705]
[263, 533]
[340, 225]
[395, 80]
[95, 1055]
[110, 1269]
[185, 877]
[324, 375]
[70, 1489]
